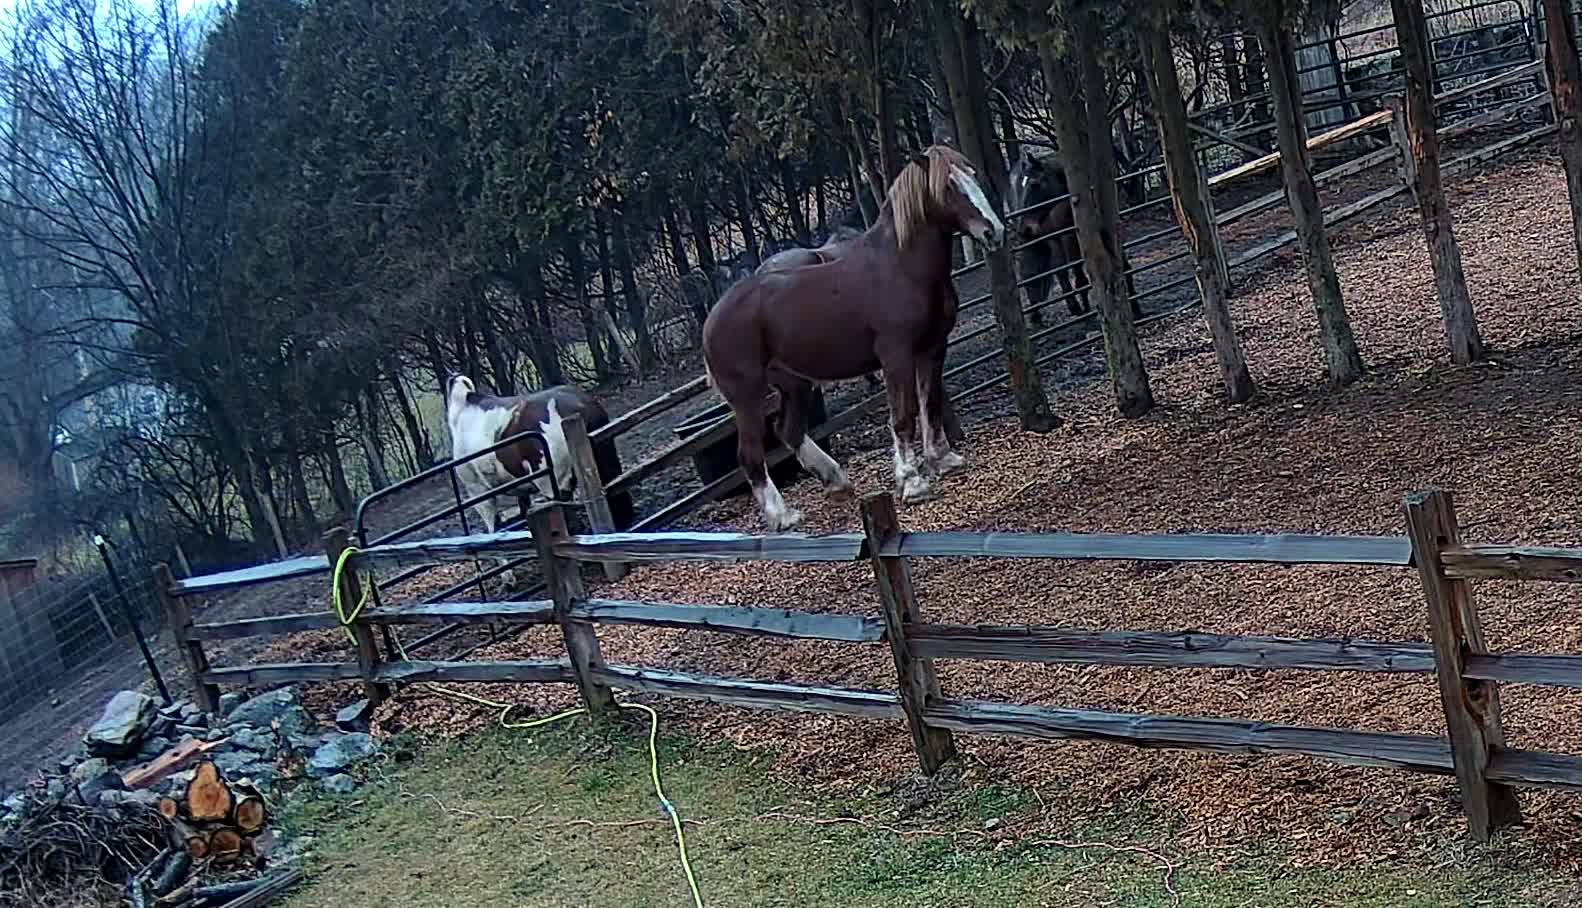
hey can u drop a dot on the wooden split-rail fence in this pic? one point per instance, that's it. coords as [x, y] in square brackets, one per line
[1468, 674]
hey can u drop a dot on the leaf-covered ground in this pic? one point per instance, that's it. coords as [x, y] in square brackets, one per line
[1302, 458]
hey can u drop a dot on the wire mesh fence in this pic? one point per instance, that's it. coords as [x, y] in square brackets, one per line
[65, 647]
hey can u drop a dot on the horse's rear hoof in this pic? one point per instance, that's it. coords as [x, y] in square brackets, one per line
[916, 490]
[949, 463]
[787, 521]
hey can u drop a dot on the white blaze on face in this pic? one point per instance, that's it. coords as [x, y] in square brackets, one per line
[969, 188]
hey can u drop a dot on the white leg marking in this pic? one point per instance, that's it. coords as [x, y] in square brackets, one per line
[914, 485]
[777, 515]
[930, 443]
[817, 461]
[937, 455]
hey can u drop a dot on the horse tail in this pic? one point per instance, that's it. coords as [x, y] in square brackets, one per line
[607, 457]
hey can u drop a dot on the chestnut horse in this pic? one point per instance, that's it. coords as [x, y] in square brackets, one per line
[880, 301]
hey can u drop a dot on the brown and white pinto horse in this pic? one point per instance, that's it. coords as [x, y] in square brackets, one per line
[477, 421]
[880, 301]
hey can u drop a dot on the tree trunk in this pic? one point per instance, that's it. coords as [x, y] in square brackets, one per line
[1257, 85]
[499, 365]
[1008, 136]
[702, 237]
[870, 22]
[872, 167]
[958, 42]
[1235, 86]
[1090, 170]
[541, 331]
[258, 469]
[941, 115]
[601, 224]
[297, 483]
[691, 287]
[373, 441]
[1342, 361]
[1415, 129]
[1565, 85]
[1194, 213]
[796, 202]
[467, 341]
[415, 429]
[820, 209]
[571, 245]
[636, 314]
[436, 360]
[744, 212]
[234, 455]
[863, 200]
[340, 489]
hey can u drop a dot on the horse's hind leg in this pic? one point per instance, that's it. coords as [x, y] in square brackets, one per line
[900, 381]
[747, 402]
[796, 399]
[937, 454]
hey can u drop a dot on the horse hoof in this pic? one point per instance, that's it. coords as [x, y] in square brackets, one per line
[949, 463]
[916, 490]
[840, 491]
[790, 519]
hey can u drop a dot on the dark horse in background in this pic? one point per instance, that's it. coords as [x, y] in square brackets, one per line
[1047, 236]
[477, 421]
[881, 300]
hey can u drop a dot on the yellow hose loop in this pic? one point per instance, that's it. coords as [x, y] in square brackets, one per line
[335, 593]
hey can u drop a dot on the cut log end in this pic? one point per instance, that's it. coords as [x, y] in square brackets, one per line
[225, 845]
[208, 797]
[197, 847]
[251, 814]
[169, 808]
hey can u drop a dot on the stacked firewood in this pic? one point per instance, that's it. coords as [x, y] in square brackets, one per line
[215, 819]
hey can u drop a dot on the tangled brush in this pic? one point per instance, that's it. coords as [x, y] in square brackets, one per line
[60, 854]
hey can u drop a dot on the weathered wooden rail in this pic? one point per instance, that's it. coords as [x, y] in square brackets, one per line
[1467, 673]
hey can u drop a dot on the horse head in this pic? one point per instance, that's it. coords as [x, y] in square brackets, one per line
[1034, 180]
[940, 186]
[457, 389]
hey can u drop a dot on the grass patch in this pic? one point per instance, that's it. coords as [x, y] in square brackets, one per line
[566, 817]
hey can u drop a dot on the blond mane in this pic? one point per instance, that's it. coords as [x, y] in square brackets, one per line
[920, 191]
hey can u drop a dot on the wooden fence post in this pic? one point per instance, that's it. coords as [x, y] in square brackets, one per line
[335, 542]
[564, 581]
[178, 617]
[918, 684]
[1472, 707]
[585, 467]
